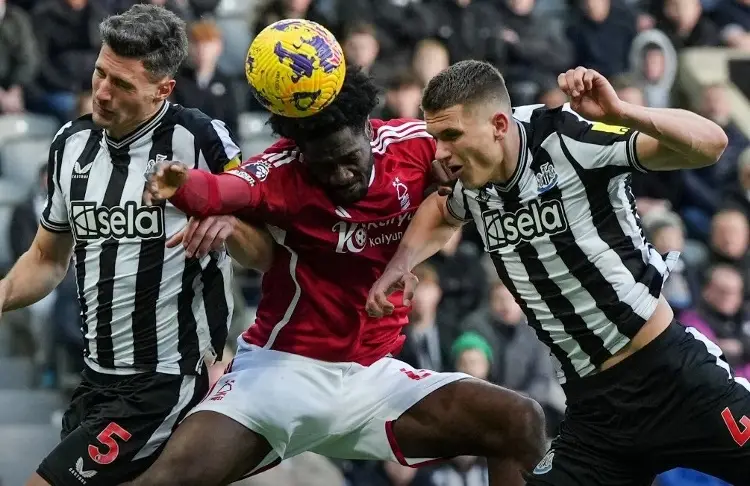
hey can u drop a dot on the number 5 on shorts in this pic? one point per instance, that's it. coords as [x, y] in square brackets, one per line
[113, 448]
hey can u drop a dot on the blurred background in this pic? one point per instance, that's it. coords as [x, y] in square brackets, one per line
[693, 54]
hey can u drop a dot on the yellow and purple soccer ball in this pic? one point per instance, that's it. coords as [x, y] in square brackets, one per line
[295, 67]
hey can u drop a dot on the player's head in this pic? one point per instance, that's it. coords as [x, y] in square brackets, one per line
[467, 110]
[335, 143]
[141, 52]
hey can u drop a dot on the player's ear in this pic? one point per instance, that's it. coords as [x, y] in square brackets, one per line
[500, 124]
[165, 89]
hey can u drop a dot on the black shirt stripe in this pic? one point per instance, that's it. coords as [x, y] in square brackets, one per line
[150, 268]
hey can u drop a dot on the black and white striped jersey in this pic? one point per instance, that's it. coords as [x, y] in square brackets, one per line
[565, 237]
[145, 307]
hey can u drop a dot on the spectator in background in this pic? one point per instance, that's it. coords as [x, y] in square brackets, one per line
[469, 29]
[720, 317]
[629, 89]
[199, 83]
[68, 35]
[738, 197]
[402, 97]
[730, 235]
[271, 11]
[537, 48]
[361, 47]
[683, 21]
[733, 18]
[707, 186]
[19, 58]
[716, 107]
[551, 96]
[601, 33]
[85, 103]
[521, 362]
[422, 348]
[665, 231]
[654, 60]
[463, 281]
[430, 57]
[180, 7]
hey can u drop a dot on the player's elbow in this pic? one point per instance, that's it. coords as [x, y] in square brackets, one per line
[712, 147]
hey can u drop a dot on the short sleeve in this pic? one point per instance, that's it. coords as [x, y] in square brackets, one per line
[55, 215]
[218, 151]
[457, 203]
[596, 145]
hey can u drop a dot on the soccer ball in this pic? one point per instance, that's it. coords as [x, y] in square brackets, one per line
[295, 67]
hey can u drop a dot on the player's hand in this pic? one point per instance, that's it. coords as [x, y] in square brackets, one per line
[591, 95]
[202, 236]
[165, 180]
[392, 279]
[444, 176]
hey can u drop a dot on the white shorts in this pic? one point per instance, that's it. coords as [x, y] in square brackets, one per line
[338, 410]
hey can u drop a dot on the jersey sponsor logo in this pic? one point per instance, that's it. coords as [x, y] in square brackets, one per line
[355, 237]
[533, 221]
[91, 221]
[242, 175]
[545, 465]
[402, 193]
[79, 473]
[259, 170]
[546, 179]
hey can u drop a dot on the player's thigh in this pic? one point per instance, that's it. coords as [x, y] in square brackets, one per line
[572, 463]
[705, 421]
[472, 417]
[207, 448]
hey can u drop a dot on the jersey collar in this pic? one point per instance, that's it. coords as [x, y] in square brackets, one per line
[522, 161]
[139, 132]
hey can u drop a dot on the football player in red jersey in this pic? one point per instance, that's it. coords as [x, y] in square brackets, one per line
[315, 372]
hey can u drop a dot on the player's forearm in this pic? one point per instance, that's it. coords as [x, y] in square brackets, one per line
[205, 194]
[428, 232]
[699, 140]
[31, 279]
[251, 247]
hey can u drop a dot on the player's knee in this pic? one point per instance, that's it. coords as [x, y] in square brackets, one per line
[528, 432]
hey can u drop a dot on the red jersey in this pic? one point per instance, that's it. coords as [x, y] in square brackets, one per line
[313, 297]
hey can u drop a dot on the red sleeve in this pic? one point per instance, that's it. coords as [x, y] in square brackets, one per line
[205, 194]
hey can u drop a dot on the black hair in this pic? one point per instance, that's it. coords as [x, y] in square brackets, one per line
[465, 83]
[149, 33]
[351, 108]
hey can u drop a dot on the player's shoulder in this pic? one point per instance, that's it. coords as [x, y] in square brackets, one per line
[194, 120]
[81, 126]
[406, 137]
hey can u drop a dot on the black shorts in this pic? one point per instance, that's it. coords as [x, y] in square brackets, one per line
[116, 426]
[672, 404]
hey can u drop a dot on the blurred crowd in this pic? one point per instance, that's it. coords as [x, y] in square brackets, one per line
[463, 318]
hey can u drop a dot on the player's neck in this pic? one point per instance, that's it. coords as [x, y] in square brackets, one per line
[511, 152]
[120, 132]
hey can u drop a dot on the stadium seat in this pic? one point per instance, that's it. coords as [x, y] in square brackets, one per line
[29, 406]
[21, 159]
[27, 125]
[252, 124]
[22, 448]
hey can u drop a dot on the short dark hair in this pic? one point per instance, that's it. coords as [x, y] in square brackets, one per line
[465, 83]
[351, 108]
[149, 33]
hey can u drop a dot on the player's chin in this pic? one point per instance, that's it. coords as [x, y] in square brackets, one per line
[348, 194]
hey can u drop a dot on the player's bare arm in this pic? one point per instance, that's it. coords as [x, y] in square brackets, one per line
[38, 271]
[669, 139]
[429, 231]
